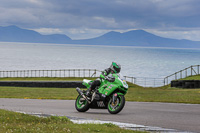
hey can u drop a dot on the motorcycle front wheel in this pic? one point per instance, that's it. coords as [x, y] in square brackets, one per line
[81, 104]
[116, 107]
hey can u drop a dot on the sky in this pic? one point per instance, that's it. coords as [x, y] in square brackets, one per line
[81, 19]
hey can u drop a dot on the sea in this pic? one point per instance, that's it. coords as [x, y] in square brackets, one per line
[135, 61]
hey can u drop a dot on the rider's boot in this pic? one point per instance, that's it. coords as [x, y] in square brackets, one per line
[88, 92]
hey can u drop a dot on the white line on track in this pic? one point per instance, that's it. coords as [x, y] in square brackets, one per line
[120, 124]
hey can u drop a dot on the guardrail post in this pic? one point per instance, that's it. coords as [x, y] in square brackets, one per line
[176, 76]
[39, 72]
[186, 73]
[181, 74]
[167, 80]
[164, 81]
[198, 69]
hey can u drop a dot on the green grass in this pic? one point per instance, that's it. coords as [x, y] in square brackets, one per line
[135, 93]
[195, 77]
[163, 94]
[22, 123]
[38, 93]
[45, 79]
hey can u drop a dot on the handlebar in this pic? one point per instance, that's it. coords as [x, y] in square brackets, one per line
[107, 78]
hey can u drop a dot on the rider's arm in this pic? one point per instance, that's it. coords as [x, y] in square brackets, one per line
[107, 71]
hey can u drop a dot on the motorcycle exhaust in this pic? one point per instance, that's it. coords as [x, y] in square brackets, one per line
[81, 93]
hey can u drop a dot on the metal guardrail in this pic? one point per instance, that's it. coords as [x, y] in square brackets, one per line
[142, 81]
[189, 71]
[145, 81]
[51, 73]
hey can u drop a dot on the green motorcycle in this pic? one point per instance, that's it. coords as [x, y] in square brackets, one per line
[109, 95]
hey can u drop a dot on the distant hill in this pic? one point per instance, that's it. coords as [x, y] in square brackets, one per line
[132, 38]
[139, 38]
[16, 34]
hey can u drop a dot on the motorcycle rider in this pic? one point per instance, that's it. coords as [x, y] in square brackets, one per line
[114, 68]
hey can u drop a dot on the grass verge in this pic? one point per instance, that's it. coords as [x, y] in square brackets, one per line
[45, 79]
[22, 123]
[163, 94]
[194, 77]
[135, 93]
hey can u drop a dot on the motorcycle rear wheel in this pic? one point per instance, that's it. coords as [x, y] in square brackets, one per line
[116, 107]
[81, 104]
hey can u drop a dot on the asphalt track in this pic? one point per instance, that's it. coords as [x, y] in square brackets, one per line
[182, 117]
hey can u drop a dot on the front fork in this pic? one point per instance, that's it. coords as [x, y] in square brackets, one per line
[114, 98]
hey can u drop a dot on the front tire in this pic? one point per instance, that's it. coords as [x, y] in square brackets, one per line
[81, 104]
[116, 107]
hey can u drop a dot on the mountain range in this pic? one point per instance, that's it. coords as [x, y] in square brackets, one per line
[139, 38]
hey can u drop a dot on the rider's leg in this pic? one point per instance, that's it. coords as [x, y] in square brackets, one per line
[94, 84]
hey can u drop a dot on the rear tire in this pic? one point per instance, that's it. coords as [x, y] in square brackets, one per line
[118, 106]
[81, 104]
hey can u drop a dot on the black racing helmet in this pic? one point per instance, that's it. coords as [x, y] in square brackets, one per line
[115, 67]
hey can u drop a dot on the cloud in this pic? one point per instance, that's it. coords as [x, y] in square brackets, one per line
[49, 30]
[100, 15]
[82, 33]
